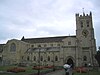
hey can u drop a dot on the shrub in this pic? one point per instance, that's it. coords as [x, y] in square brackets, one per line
[50, 66]
[16, 70]
[81, 69]
[38, 67]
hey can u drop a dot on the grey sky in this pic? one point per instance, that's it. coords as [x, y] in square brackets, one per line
[43, 18]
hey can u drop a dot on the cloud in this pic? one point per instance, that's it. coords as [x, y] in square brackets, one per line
[36, 18]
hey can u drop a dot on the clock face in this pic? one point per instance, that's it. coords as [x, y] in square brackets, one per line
[85, 33]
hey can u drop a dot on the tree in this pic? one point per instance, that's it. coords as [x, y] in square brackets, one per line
[97, 57]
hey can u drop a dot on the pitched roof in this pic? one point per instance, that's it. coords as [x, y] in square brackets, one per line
[45, 39]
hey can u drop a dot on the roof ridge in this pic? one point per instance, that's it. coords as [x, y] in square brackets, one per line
[49, 37]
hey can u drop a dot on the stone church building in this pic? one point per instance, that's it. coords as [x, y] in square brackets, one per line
[77, 49]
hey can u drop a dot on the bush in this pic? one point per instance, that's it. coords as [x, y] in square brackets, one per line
[81, 69]
[50, 66]
[16, 70]
[38, 67]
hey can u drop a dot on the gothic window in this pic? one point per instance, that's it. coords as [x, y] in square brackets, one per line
[58, 44]
[41, 58]
[87, 22]
[81, 24]
[69, 42]
[39, 45]
[56, 58]
[22, 57]
[84, 58]
[34, 58]
[13, 47]
[28, 58]
[32, 45]
[51, 45]
[48, 58]
[45, 45]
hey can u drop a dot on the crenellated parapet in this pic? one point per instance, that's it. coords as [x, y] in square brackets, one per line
[84, 15]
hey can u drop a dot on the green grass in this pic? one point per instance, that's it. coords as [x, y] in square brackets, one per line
[89, 73]
[29, 70]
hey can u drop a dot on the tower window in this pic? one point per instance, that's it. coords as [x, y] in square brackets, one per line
[81, 24]
[87, 22]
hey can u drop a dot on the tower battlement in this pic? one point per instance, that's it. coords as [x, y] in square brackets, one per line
[84, 15]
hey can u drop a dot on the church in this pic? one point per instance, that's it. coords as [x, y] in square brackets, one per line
[79, 49]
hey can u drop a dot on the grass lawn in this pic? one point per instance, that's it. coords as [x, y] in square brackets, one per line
[89, 73]
[29, 70]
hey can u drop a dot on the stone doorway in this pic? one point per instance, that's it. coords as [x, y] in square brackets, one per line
[70, 62]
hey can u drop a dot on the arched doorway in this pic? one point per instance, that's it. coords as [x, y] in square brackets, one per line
[70, 62]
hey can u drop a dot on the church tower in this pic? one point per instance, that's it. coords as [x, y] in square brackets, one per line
[86, 46]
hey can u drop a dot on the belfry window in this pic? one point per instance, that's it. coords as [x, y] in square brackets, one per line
[13, 47]
[81, 24]
[87, 22]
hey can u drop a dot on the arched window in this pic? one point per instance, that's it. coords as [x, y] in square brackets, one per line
[32, 45]
[45, 45]
[41, 58]
[48, 58]
[69, 42]
[84, 58]
[87, 22]
[39, 45]
[34, 58]
[13, 47]
[28, 58]
[81, 24]
[56, 58]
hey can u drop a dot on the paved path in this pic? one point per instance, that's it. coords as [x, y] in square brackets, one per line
[58, 72]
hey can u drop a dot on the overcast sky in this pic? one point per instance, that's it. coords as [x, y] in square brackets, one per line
[44, 18]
